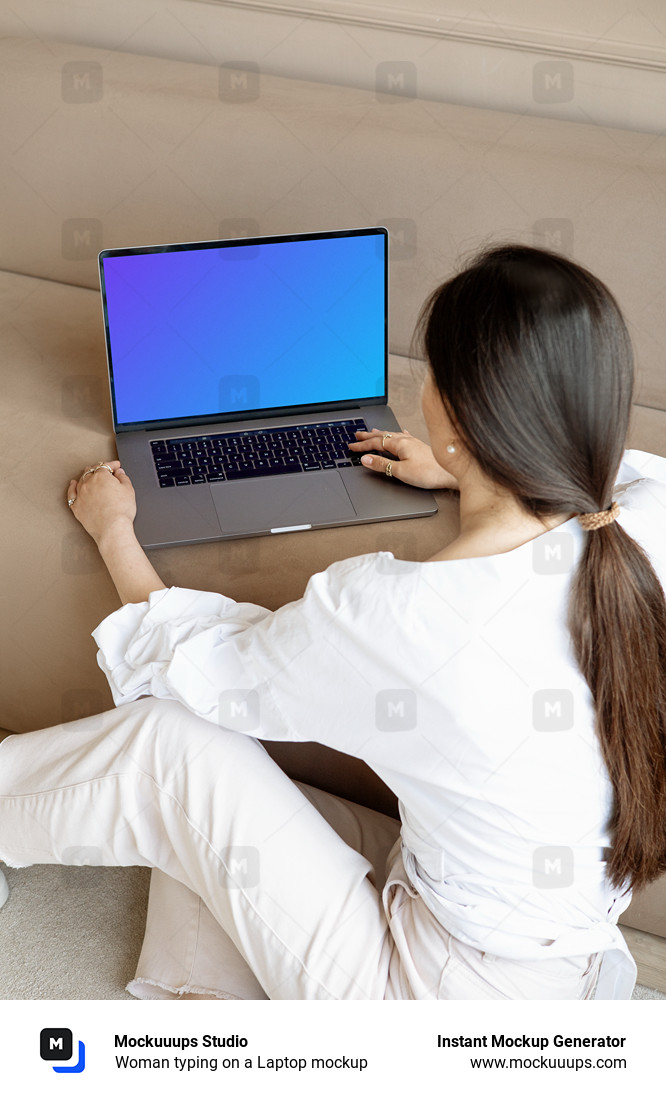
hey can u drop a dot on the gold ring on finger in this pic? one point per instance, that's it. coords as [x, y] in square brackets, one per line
[386, 435]
[389, 469]
[94, 469]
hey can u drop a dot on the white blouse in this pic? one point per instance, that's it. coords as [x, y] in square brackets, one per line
[456, 682]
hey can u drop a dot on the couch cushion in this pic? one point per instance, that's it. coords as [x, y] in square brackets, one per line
[648, 909]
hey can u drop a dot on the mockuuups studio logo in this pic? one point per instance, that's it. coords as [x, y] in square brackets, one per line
[56, 1044]
[239, 710]
[553, 552]
[395, 709]
[81, 238]
[395, 80]
[553, 81]
[240, 867]
[82, 82]
[239, 391]
[239, 81]
[552, 710]
[553, 867]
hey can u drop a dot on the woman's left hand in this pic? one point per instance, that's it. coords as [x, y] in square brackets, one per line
[103, 499]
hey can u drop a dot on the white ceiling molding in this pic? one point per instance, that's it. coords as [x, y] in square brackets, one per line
[386, 17]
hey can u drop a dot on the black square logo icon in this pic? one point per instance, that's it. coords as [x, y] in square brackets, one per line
[55, 1044]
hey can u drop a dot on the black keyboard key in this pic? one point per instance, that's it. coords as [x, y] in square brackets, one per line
[215, 477]
[345, 463]
[198, 479]
[268, 471]
[166, 482]
[181, 480]
[171, 468]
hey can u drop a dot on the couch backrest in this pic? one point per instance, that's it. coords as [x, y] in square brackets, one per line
[105, 149]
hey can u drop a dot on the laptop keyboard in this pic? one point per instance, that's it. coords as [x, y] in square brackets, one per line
[264, 452]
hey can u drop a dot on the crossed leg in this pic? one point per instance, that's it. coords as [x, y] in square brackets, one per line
[150, 784]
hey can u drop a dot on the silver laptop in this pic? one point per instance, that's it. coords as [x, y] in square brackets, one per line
[239, 372]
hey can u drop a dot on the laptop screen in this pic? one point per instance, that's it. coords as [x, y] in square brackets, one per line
[231, 329]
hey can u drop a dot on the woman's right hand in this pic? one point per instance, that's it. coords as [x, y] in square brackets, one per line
[102, 500]
[412, 461]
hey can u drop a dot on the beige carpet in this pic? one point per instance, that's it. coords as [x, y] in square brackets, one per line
[70, 933]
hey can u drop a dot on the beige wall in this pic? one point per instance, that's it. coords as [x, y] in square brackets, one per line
[599, 61]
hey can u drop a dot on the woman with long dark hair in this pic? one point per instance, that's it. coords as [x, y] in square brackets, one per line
[511, 691]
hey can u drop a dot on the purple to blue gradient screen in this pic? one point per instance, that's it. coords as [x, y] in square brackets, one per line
[205, 331]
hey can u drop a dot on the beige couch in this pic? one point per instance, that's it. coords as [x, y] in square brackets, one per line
[110, 149]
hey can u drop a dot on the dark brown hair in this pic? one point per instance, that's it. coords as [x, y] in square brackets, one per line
[533, 362]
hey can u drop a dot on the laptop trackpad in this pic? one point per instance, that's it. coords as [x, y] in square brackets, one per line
[286, 500]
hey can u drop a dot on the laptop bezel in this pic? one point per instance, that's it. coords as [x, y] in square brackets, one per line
[175, 424]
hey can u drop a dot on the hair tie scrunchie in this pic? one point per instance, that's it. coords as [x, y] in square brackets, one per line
[591, 521]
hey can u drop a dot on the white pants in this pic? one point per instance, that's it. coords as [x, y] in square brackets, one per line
[255, 894]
